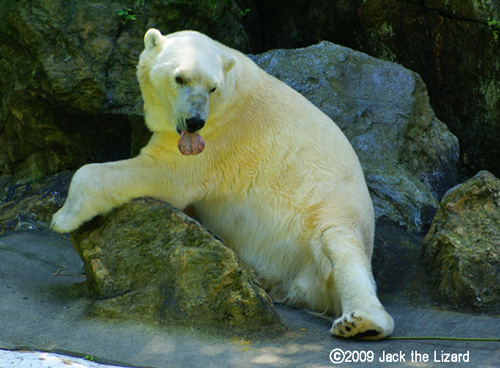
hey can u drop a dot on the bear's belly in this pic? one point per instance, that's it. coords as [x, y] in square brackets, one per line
[269, 239]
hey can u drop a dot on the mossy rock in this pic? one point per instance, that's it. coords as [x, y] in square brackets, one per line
[462, 248]
[147, 261]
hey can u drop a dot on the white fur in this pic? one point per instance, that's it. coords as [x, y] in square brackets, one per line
[278, 181]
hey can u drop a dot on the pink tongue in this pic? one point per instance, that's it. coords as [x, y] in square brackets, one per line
[190, 143]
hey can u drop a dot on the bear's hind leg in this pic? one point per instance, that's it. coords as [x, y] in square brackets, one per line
[363, 316]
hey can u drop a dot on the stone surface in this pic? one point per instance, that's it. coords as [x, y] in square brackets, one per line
[408, 155]
[147, 261]
[30, 205]
[462, 248]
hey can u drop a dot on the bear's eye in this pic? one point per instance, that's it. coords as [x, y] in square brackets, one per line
[180, 81]
[212, 90]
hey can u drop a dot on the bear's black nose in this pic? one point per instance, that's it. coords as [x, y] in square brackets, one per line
[194, 124]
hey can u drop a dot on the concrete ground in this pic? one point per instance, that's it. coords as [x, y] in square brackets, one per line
[42, 309]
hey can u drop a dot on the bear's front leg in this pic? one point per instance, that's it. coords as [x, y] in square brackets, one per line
[91, 192]
[98, 188]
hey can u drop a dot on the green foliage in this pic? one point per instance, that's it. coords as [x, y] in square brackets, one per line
[495, 27]
[129, 14]
[245, 12]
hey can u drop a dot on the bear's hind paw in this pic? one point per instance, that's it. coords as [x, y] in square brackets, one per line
[360, 325]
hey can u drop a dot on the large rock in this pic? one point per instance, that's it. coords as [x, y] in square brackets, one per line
[430, 39]
[149, 262]
[408, 155]
[462, 248]
[67, 77]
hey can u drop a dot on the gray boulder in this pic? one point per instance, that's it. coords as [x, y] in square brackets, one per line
[462, 248]
[147, 261]
[431, 39]
[408, 155]
[428, 37]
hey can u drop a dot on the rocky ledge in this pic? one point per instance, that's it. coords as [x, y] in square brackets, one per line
[147, 261]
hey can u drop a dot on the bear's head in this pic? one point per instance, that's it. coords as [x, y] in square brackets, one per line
[185, 82]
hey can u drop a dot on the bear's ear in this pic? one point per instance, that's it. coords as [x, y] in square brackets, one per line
[228, 62]
[152, 38]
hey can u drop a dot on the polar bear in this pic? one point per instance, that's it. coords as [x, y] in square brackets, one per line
[263, 169]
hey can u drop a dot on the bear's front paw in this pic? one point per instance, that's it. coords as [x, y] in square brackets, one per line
[83, 201]
[62, 222]
[73, 214]
[363, 324]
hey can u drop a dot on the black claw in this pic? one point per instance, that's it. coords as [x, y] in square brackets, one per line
[347, 328]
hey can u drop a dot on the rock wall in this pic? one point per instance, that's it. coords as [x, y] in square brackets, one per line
[67, 77]
[453, 45]
[455, 50]
[69, 95]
